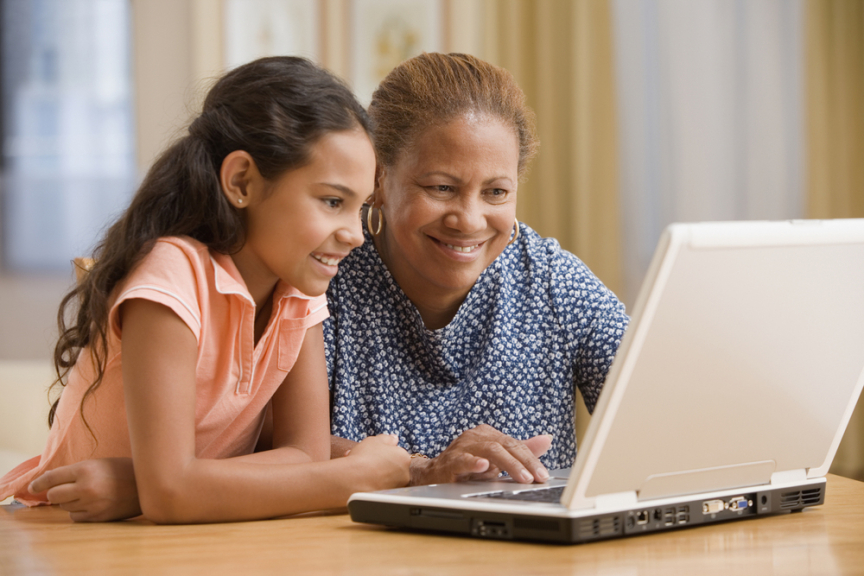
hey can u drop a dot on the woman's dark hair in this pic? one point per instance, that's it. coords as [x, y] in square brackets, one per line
[432, 89]
[273, 108]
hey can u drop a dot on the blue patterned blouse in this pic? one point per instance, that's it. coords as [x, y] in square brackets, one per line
[536, 322]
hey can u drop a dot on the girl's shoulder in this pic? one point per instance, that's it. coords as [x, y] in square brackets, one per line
[175, 256]
[167, 246]
[176, 272]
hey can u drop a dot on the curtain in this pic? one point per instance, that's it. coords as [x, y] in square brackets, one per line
[835, 159]
[710, 111]
[560, 52]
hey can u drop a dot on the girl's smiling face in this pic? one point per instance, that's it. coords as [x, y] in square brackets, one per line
[300, 226]
[449, 205]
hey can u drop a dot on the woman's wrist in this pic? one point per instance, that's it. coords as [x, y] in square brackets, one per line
[419, 469]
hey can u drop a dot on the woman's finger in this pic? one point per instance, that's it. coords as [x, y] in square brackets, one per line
[505, 457]
[539, 445]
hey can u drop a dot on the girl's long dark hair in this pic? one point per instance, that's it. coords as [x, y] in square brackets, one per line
[273, 108]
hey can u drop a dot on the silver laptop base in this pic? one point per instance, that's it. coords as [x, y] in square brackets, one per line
[568, 530]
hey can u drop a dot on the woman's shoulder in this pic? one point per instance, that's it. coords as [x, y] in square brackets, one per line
[561, 274]
[544, 255]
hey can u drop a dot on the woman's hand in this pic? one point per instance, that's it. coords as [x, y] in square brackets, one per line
[483, 453]
[92, 490]
[385, 462]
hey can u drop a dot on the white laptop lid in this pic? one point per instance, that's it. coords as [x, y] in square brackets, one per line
[742, 365]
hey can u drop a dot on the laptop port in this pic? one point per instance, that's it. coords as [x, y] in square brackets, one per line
[669, 516]
[739, 503]
[713, 506]
[490, 529]
[642, 517]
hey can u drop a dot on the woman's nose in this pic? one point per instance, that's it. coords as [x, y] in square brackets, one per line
[466, 216]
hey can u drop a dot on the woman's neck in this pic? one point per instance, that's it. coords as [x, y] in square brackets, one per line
[437, 306]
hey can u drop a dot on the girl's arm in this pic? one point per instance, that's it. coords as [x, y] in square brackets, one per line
[159, 357]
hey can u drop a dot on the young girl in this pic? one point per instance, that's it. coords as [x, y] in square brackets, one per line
[205, 304]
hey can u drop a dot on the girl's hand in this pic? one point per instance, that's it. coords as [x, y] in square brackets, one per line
[384, 463]
[92, 490]
[482, 453]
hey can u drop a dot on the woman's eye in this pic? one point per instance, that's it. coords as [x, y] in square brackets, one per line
[333, 202]
[498, 193]
[441, 188]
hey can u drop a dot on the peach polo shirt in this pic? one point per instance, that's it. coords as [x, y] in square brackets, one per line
[235, 378]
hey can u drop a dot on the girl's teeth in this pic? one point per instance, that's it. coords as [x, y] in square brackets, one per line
[462, 248]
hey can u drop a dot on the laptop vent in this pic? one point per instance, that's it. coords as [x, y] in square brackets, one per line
[606, 526]
[536, 524]
[800, 498]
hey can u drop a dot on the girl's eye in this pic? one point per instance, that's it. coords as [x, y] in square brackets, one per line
[332, 202]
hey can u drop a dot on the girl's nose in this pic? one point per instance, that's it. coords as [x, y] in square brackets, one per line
[351, 234]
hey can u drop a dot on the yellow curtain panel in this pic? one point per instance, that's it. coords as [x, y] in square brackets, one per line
[835, 135]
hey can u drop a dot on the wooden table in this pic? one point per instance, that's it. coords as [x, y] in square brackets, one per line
[828, 539]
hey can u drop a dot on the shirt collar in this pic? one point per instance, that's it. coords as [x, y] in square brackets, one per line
[229, 281]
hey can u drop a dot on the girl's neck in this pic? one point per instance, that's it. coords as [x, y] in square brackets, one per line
[259, 283]
[260, 286]
[262, 316]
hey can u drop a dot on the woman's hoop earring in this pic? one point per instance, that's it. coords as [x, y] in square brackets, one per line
[515, 234]
[369, 221]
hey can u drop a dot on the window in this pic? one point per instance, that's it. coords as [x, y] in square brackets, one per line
[68, 164]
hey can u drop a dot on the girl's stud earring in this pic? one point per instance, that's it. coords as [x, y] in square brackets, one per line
[239, 200]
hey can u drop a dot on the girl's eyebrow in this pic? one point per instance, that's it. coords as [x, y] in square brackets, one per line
[344, 189]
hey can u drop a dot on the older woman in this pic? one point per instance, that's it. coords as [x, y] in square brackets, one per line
[454, 326]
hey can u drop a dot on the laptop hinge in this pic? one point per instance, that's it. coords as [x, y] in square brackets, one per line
[789, 476]
[615, 501]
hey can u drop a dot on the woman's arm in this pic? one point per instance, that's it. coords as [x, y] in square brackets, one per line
[159, 356]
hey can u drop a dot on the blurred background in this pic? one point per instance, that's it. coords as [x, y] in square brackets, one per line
[649, 112]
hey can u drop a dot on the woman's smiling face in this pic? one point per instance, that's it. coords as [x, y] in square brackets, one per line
[449, 205]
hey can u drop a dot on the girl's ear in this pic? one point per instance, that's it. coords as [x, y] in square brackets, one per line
[240, 178]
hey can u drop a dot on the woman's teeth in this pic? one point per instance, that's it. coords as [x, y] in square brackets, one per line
[326, 260]
[463, 248]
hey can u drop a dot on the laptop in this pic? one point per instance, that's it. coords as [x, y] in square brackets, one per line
[727, 399]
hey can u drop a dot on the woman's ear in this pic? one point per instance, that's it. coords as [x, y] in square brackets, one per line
[377, 198]
[239, 178]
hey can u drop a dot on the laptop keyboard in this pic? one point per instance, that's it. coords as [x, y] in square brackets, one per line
[551, 495]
